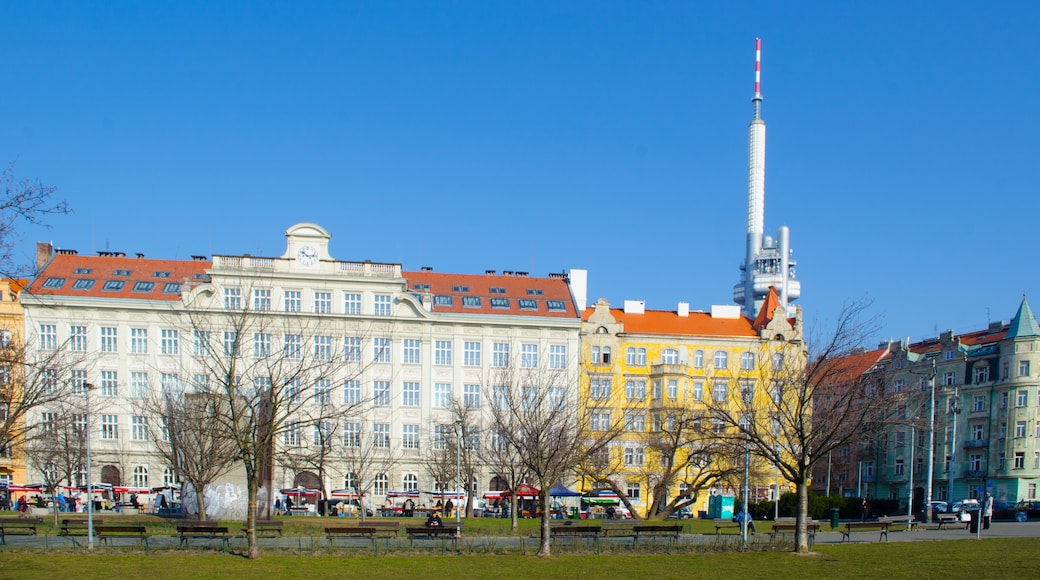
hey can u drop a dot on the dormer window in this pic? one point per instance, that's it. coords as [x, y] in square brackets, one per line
[54, 283]
[83, 284]
[113, 285]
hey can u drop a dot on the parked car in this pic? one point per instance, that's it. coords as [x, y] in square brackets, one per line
[684, 513]
[940, 507]
[1004, 510]
[964, 508]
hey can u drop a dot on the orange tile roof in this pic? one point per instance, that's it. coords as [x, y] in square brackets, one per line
[104, 268]
[838, 371]
[542, 291]
[668, 322]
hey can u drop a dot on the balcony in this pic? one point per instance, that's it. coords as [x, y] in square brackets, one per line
[974, 473]
[663, 369]
[975, 443]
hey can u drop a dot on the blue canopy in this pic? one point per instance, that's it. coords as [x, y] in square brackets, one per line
[559, 490]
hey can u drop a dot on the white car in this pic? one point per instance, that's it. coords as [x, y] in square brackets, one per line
[964, 508]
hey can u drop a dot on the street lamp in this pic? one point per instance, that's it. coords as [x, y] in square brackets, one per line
[458, 469]
[931, 449]
[90, 485]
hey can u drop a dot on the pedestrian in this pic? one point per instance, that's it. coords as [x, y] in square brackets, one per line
[23, 508]
[448, 506]
[278, 506]
[864, 510]
[987, 511]
[288, 506]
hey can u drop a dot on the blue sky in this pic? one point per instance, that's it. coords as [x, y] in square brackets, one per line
[545, 136]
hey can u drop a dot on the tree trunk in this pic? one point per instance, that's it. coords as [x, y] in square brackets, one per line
[253, 551]
[200, 498]
[545, 543]
[514, 503]
[801, 536]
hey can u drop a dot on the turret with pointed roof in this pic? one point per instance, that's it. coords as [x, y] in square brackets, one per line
[1024, 324]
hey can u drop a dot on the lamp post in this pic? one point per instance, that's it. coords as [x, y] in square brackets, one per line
[931, 449]
[747, 470]
[90, 485]
[458, 469]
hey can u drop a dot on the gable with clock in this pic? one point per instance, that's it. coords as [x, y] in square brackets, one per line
[307, 244]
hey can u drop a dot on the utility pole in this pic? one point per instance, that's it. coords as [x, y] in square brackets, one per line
[90, 484]
[931, 449]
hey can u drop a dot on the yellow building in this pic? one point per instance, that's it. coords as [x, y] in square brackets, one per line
[12, 460]
[652, 376]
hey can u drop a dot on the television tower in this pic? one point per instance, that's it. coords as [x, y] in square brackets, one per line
[767, 262]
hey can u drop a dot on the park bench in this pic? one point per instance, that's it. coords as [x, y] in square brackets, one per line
[385, 528]
[614, 528]
[16, 527]
[76, 526]
[187, 531]
[725, 524]
[331, 533]
[442, 532]
[784, 526]
[875, 526]
[909, 521]
[669, 530]
[265, 527]
[950, 520]
[105, 533]
[575, 531]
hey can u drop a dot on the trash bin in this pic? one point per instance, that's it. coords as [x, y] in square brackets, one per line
[1020, 516]
[974, 526]
[834, 518]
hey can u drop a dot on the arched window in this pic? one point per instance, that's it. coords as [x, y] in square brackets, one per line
[140, 476]
[669, 356]
[721, 359]
[382, 482]
[168, 477]
[350, 481]
[411, 482]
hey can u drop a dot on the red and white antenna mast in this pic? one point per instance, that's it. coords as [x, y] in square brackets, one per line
[757, 100]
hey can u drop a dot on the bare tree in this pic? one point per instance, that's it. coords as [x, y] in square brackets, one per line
[182, 429]
[58, 447]
[367, 455]
[28, 201]
[814, 400]
[505, 462]
[446, 460]
[536, 412]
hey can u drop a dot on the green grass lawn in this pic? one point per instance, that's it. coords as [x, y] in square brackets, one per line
[992, 558]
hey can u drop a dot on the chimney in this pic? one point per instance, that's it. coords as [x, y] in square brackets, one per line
[140, 255]
[426, 269]
[635, 306]
[44, 253]
[199, 258]
[579, 281]
[683, 309]
[489, 272]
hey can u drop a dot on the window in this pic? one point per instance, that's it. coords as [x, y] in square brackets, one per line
[410, 395]
[1000, 460]
[635, 421]
[78, 381]
[261, 345]
[600, 388]
[529, 356]
[657, 389]
[898, 385]
[410, 436]
[350, 481]
[500, 397]
[900, 438]
[635, 356]
[471, 302]
[698, 391]
[633, 456]
[747, 361]
[140, 476]
[54, 283]
[721, 359]
[719, 392]
[293, 346]
[499, 303]
[632, 490]
[113, 285]
[322, 434]
[351, 434]
[139, 385]
[1003, 400]
[442, 395]
[381, 393]
[528, 304]
[323, 302]
[411, 482]
[323, 392]
[975, 462]
[669, 356]
[1020, 460]
[411, 354]
[172, 288]
[110, 427]
[471, 396]
[109, 384]
[139, 340]
[1023, 398]
[382, 483]
[673, 389]
[1023, 368]
[635, 390]
[351, 392]
[981, 374]
[232, 299]
[351, 303]
[949, 377]
[1003, 430]
[500, 355]
[381, 435]
[778, 361]
[471, 354]
[1031, 494]
[322, 348]
[442, 300]
[601, 355]
[977, 432]
[109, 341]
[231, 346]
[169, 341]
[200, 346]
[899, 467]
[599, 421]
[352, 349]
[441, 435]
[381, 305]
[292, 301]
[442, 352]
[139, 428]
[261, 299]
[557, 397]
[168, 477]
[48, 336]
[978, 403]
[143, 286]
[292, 436]
[77, 338]
[698, 359]
[169, 383]
[555, 305]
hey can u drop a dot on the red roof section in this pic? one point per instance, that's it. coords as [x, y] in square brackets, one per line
[133, 272]
[668, 322]
[473, 294]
